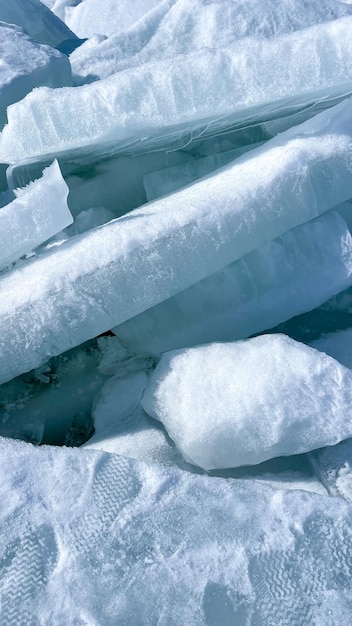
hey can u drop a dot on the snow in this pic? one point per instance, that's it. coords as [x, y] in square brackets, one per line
[280, 279]
[39, 212]
[241, 403]
[102, 539]
[26, 64]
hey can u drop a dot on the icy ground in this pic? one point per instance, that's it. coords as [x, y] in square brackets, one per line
[175, 313]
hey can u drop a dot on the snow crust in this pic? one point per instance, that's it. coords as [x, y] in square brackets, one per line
[244, 402]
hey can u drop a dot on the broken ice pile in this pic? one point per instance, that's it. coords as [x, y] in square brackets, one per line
[179, 102]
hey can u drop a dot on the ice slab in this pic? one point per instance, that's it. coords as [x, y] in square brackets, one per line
[157, 103]
[102, 278]
[26, 64]
[96, 538]
[333, 465]
[180, 26]
[39, 212]
[290, 275]
[37, 20]
[170, 179]
[241, 403]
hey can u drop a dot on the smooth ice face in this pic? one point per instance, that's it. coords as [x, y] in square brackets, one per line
[36, 19]
[161, 101]
[26, 64]
[96, 538]
[282, 278]
[241, 403]
[39, 212]
[180, 26]
[102, 278]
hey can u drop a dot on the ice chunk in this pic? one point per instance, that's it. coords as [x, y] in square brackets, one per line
[170, 179]
[282, 278]
[206, 91]
[180, 26]
[102, 278]
[37, 20]
[39, 212]
[241, 403]
[333, 465]
[26, 64]
[96, 538]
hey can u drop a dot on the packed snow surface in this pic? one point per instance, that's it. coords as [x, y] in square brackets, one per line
[96, 538]
[240, 403]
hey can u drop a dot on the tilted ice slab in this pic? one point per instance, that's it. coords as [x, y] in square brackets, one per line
[241, 403]
[96, 538]
[181, 26]
[290, 275]
[102, 278]
[39, 212]
[26, 64]
[37, 20]
[161, 101]
[168, 180]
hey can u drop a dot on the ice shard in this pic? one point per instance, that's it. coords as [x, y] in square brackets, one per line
[25, 64]
[241, 403]
[282, 278]
[160, 103]
[36, 20]
[102, 278]
[39, 212]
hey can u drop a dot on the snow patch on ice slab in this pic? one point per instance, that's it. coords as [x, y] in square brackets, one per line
[39, 212]
[104, 540]
[226, 405]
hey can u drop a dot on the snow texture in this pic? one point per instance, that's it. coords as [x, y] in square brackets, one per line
[241, 403]
[94, 538]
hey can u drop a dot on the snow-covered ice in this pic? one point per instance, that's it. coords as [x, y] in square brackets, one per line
[95, 538]
[25, 64]
[156, 103]
[280, 279]
[241, 403]
[102, 278]
[37, 213]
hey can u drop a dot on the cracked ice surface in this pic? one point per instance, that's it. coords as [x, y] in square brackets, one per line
[104, 540]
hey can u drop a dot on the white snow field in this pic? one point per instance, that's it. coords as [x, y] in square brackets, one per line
[38, 212]
[244, 402]
[95, 538]
[175, 312]
[25, 64]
